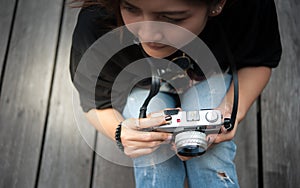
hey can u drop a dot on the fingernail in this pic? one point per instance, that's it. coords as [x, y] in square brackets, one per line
[168, 118]
[169, 138]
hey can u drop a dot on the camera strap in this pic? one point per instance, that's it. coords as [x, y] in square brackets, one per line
[155, 83]
[230, 122]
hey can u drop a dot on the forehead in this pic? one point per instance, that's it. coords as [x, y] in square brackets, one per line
[159, 5]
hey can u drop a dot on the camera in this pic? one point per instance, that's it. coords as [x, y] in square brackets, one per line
[190, 129]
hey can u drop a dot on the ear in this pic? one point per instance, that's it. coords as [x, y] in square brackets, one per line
[217, 9]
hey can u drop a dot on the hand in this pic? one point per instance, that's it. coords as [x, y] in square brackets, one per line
[226, 135]
[137, 143]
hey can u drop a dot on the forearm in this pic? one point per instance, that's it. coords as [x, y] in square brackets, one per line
[252, 81]
[105, 120]
[135, 142]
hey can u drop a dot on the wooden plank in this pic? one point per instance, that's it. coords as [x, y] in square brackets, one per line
[112, 167]
[281, 106]
[6, 19]
[246, 157]
[25, 90]
[67, 158]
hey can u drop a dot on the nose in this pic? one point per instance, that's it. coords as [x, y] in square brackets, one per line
[150, 31]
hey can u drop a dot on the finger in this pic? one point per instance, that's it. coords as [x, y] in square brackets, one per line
[140, 136]
[223, 130]
[211, 138]
[155, 136]
[131, 123]
[156, 114]
[154, 121]
[140, 145]
[225, 135]
[144, 123]
[133, 153]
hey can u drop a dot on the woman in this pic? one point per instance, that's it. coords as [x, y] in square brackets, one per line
[250, 30]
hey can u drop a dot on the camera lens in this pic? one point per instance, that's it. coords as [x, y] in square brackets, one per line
[190, 143]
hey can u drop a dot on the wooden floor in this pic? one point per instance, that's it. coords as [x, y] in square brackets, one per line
[43, 145]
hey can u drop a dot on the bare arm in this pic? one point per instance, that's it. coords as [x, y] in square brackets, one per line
[108, 123]
[252, 81]
[136, 143]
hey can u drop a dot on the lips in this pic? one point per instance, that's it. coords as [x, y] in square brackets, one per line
[155, 45]
[157, 50]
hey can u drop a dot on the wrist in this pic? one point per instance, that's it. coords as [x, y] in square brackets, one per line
[118, 137]
[226, 108]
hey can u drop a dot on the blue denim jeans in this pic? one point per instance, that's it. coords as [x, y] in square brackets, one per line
[162, 168]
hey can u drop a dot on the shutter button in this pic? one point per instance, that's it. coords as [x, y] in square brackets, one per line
[211, 116]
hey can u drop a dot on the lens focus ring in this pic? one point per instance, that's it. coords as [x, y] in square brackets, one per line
[192, 143]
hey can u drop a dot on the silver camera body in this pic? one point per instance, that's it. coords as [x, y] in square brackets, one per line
[190, 129]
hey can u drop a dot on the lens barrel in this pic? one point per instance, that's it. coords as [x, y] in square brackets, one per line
[190, 143]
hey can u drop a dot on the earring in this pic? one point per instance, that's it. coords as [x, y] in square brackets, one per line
[218, 10]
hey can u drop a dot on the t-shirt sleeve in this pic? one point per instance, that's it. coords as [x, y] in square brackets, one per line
[253, 33]
[89, 27]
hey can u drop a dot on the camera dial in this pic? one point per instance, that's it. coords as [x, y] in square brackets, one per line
[211, 116]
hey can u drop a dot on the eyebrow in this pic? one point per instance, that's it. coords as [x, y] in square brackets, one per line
[180, 12]
[172, 12]
[129, 4]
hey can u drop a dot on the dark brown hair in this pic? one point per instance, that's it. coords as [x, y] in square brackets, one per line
[110, 5]
[113, 5]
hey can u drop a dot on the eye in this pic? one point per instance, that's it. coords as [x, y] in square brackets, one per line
[172, 20]
[130, 9]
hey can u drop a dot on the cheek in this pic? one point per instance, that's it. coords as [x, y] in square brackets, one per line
[186, 33]
[127, 19]
[129, 23]
[198, 21]
[196, 26]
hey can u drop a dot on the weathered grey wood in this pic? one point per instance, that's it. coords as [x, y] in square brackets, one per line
[25, 90]
[112, 167]
[6, 16]
[281, 106]
[112, 175]
[67, 158]
[246, 157]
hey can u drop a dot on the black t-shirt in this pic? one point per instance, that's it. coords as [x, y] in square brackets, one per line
[250, 28]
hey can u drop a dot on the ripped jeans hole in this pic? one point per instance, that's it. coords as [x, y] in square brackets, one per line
[224, 176]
